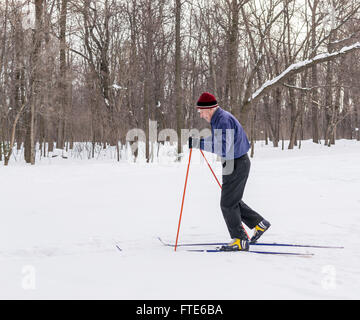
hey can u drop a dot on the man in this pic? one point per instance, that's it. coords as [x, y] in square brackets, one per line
[229, 141]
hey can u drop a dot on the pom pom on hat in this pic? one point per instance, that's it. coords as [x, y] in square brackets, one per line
[207, 101]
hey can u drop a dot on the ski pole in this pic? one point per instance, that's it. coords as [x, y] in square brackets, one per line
[211, 169]
[182, 203]
[218, 182]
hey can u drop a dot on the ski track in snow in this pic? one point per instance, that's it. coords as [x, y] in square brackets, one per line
[66, 218]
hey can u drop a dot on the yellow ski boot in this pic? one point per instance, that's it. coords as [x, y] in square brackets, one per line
[236, 245]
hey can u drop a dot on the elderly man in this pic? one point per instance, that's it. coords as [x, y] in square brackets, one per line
[229, 141]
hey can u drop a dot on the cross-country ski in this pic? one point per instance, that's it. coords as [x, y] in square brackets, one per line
[299, 254]
[267, 244]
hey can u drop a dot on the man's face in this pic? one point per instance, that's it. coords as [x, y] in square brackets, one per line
[206, 114]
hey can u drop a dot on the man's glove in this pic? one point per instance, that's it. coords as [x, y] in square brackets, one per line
[194, 143]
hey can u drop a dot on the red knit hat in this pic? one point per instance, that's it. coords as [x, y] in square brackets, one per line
[206, 101]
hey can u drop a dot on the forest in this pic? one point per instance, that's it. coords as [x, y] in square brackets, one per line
[92, 70]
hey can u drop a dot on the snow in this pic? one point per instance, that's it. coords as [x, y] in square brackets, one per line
[62, 219]
[117, 87]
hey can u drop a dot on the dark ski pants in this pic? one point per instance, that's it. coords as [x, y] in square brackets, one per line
[233, 208]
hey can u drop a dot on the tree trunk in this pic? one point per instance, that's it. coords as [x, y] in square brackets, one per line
[146, 115]
[30, 118]
[314, 78]
[299, 112]
[277, 117]
[294, 114]
[178, 98]
[232, 44]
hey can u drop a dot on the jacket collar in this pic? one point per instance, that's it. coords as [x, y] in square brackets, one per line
[215, 115]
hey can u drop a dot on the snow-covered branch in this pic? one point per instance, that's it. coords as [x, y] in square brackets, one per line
[299, 67]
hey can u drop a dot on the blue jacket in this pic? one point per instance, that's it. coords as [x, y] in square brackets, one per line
[228, 138]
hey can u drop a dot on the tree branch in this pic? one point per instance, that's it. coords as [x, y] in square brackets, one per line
[299, 67]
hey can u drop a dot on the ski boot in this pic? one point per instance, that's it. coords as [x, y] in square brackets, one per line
[236, 245]
[259, 230]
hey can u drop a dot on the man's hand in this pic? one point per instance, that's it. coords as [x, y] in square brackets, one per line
[194, 143]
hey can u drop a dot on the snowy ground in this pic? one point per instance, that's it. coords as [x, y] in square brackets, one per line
[62, 219]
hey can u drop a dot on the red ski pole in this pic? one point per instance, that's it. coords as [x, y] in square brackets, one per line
[211, 169]
[183, 198]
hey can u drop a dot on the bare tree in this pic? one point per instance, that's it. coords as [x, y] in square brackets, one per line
[178, 98]
[91, 70]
